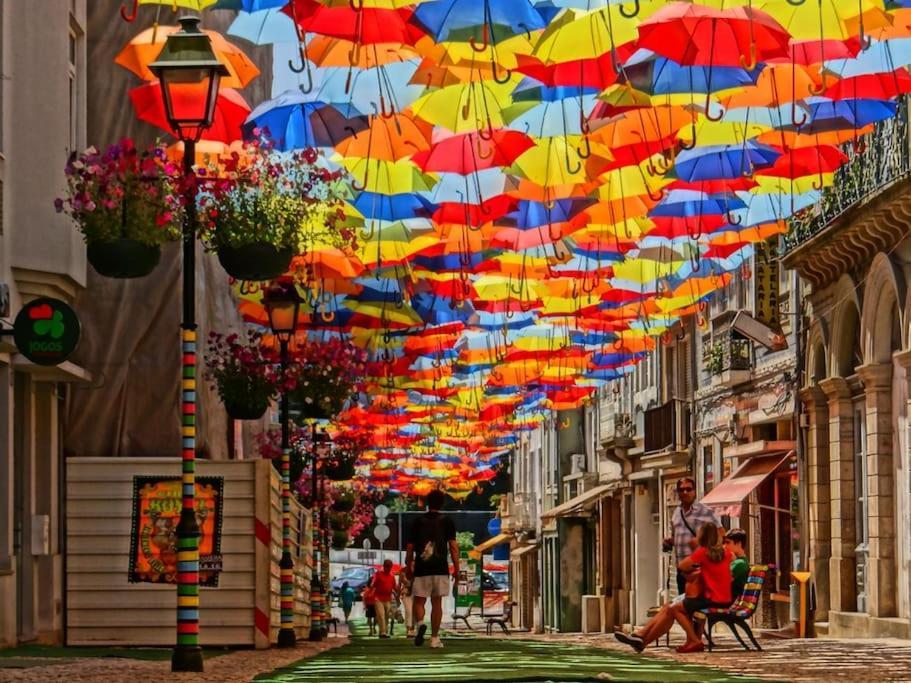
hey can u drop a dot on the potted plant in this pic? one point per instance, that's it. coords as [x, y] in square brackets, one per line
[126, 203]
[324, 375]
[261, 207]
[243, 373]
[340, 539]
[340, 521]
[343, 501]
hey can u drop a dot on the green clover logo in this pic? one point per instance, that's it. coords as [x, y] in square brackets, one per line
[54, 326]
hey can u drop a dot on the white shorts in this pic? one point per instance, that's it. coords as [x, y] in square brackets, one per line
[431, 586]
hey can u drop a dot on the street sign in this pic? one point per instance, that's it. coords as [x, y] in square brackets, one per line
[381, 512]
[366, 554]
[46, 331]
[381, 532]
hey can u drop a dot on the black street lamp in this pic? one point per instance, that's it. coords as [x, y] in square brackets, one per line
[319, 599]
[283, 306]
[189, 73]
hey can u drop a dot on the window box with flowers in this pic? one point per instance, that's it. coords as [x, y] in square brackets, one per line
[242, 373]
[126, 203]
[261, 207]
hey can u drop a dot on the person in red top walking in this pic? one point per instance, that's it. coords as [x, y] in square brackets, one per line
[383, 589]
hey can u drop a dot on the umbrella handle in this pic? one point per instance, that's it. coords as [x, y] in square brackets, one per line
[585, 151]
[569, 168]
[708, 109]
[692, 143]
[386, 114]
[796, 3]
[327, 316]
[356, 5]
[502, 80]
[821, 88]
[485, 36]
[749, 65]
[303, 65]
[633, 12]
[794, 121]
[733, 218]
[130, 16]
[480, 150]
[487, 133]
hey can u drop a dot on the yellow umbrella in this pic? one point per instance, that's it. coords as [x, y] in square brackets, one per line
[554, 161]
[387, 177]
[465, 107]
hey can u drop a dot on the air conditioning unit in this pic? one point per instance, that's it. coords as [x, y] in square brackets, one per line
[577, 463]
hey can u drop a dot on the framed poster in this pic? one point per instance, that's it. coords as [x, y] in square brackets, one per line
[468, 582]
[153, 539]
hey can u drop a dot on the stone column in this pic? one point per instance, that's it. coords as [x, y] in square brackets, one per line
[901, 461]
[842, 577]
[817, 488]
[881, 579]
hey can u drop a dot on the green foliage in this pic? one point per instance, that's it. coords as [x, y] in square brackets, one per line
[465, 540]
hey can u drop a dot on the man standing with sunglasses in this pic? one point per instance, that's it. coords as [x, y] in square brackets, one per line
[685, 524]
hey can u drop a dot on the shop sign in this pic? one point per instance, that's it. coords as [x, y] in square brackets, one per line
[765, 285]
[46, 331]
[468, 582]
[153, 539]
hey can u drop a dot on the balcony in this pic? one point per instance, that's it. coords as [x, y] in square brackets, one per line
[729, 362]
[667, 427]
[831, 234]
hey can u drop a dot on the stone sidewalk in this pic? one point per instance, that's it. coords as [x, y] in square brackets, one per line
[240, 666]
[821, 659]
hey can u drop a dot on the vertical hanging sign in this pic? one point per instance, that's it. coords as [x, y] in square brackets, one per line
[765, 284]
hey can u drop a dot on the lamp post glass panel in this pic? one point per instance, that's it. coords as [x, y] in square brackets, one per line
[283, 307]
[189, 74]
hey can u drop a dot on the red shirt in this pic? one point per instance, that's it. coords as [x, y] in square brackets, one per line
[383, 584]
[716, 576]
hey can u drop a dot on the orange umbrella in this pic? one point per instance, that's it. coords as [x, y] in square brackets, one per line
[330, 51]
[144, 49]
[388, 139]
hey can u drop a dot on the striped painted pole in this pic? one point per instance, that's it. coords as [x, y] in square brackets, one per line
[324, 575]
[316, 622]
[286, 635]
[187, 655]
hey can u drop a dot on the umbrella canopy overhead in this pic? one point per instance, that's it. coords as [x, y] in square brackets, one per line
[541, 189]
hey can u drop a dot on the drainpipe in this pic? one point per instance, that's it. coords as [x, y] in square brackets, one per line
[694, 380]
[803, 499]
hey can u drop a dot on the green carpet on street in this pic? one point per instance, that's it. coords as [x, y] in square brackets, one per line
[481, 660]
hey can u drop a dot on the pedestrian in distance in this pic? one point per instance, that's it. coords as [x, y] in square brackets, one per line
[346, 597]
[369, 598]
[407, 601]
[432, 540]
[384, 589]
[685, 525]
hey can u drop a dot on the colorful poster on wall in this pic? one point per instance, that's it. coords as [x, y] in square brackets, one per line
[156, 513]
[468, 582]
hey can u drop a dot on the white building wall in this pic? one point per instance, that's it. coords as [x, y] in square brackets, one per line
[42, 119]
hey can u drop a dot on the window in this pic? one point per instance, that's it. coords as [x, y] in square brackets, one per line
[74, 71]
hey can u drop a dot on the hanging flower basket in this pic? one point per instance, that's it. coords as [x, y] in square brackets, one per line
[342, 470]
[344, 503]
[255, 261]
[310, 409]
[123, 258]
[247, 408]
[340, 539]
[126, 203]
[340, 521]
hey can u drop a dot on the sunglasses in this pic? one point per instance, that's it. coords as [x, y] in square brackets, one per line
[685, 489]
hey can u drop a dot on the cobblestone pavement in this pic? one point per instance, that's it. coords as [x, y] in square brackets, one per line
[236, 667]
[820, 659]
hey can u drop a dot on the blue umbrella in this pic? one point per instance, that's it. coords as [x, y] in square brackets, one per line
[395, 207]
[461, 20]
[693, 203]
[265, 27]
[723, 161]
[650, 73]
[827, 115]
[293, 121]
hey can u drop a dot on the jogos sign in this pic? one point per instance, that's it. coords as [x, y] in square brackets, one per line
[46, 331]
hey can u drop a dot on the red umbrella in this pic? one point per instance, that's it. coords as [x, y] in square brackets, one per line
[878, 86]
[467, 153]
[806, 161]
[695, 34]
[364, 26]
[230, 111]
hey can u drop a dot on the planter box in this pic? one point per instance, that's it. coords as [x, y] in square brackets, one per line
[104, 608]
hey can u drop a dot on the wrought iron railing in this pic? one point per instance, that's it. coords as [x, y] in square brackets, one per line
[876, 161]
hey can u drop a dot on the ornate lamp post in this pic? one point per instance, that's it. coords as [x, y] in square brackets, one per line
[283, 306]
[189, 74]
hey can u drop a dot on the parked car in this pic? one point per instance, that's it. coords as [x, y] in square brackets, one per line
[356, 577]
[494, 581]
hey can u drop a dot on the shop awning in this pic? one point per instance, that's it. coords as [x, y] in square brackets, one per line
[574, 506]
[727, 497]
[481, 548]
[518, 553]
